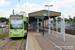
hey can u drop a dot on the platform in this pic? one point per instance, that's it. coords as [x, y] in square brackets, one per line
[36, 41]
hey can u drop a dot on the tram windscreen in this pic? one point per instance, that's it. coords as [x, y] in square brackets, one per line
[16, 22]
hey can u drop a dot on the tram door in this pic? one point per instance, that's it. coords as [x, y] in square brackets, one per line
[26, 26]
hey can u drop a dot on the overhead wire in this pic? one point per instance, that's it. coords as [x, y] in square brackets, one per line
[25, 6]
[20, 4]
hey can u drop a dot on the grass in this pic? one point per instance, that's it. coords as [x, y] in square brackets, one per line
[2, 35]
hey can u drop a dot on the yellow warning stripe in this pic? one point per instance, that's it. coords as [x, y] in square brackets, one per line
[36, 44]
[68, 35]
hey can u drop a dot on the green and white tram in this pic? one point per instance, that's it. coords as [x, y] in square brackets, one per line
[18, 26]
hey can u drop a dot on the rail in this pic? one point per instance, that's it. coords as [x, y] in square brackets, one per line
[19, 45]
[4, 44]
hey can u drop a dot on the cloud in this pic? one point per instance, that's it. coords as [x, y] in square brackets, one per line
[55, 6]
[28, 7]
[3, 3]
[5, 13]
[2, 11]
[64, 6]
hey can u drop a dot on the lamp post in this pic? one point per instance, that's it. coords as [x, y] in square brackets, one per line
[13, 11]
[22, 12]
[70, 21]
[49, 16]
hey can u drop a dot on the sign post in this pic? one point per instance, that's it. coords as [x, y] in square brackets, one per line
[56, 28]
[63, 29]
[37, 24]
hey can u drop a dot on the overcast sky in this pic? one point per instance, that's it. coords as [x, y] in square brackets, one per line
[66, 7]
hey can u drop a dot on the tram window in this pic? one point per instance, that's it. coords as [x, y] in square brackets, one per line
[14, 24]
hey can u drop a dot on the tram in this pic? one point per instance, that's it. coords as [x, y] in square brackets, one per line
[18, 26]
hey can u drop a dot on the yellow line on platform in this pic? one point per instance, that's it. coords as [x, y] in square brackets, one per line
[68, 35]
[30, 42]
[36, 44]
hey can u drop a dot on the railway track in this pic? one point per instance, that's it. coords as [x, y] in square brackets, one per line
[18, 44]
[22, 45]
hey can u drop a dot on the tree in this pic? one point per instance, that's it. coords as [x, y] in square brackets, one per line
[7, 20]
[73, 19]
[54, 19]
[3, 19]
[70, 19]
[27, 18]
[59, 19]
[66, 19]
[17, 14]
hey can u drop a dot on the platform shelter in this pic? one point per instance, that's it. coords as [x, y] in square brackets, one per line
[41, 13]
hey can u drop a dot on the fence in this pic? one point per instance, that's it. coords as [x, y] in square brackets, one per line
[2, 30]
[67, 25]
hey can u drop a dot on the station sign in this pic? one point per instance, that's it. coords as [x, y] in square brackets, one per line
[45, 14]
[16, 17]
[39, 16]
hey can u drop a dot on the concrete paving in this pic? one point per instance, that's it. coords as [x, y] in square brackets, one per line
[69, 44]
[36, 41]
[32, 43]
[45, 44]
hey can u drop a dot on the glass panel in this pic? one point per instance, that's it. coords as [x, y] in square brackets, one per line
[16, 22]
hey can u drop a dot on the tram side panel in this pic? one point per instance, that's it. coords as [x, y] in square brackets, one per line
[25, 28]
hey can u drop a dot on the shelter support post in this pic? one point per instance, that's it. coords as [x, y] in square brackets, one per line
[37, 24]
[49, 26]
[43, 26]
[63, 29]
[56, 28]
[38, 17]
[53, 27]
[34, 25]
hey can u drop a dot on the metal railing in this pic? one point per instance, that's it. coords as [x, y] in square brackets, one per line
[2, 30]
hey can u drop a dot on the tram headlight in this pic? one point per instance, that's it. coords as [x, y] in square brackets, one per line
[21, 31]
